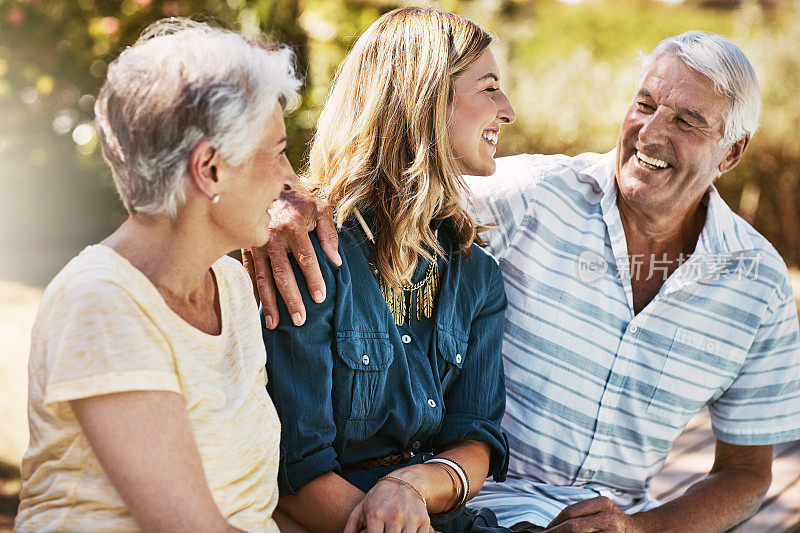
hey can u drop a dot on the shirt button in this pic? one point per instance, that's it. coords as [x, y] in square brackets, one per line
[415, 446]
[612, 401]
[709, 346]
[458, 358]
[406, 339]
[586, 473]
[365, 359]
[431, 403]
[633, 329]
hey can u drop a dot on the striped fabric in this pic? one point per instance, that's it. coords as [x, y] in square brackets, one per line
[596, 394]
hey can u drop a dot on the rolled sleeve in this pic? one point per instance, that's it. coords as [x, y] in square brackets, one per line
[476, 402]
[300, 365]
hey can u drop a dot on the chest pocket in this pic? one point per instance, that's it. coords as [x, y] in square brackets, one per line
[452, 350]
[697, 369]
[360, 373]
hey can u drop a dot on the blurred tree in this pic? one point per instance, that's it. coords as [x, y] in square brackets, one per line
[57, 193]
[568, 69]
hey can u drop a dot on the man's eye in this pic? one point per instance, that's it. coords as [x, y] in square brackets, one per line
[683, 124]
[492, 89]
[644, 106]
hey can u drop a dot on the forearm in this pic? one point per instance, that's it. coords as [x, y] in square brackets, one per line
[716, 503]
[436, 485]
[324, 504]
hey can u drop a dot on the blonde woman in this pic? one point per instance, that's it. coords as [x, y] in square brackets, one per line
[392, 392]
[147, 401]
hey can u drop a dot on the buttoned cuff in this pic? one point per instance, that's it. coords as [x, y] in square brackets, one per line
[292, 477]
[461, 427]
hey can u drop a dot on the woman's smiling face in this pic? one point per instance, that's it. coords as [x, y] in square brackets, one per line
[479, 107]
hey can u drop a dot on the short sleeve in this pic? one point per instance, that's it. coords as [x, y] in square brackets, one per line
[504, 198]
[98, 340]
[476, 402]
[762, 405]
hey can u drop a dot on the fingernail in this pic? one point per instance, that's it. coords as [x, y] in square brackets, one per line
[297, 318]
[337, 259]
[268, 321]
[319, 297]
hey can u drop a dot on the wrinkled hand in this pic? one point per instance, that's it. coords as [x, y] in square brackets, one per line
[390, 507]
[597, 514]
[293, 215]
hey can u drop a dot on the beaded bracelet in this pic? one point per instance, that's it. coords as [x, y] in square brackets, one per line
[462, 474]
[407, 484]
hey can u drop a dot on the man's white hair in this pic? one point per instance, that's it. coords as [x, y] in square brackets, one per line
[182, 82]
[724, 63]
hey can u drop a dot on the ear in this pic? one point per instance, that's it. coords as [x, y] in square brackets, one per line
[204, 167]
[734, 154]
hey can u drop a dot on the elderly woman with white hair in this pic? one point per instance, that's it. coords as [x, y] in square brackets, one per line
[147, 400]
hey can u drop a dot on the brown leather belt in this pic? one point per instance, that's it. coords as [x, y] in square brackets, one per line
[398, 458]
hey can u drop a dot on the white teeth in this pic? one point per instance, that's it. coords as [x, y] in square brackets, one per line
[651, 160]
[490, 136]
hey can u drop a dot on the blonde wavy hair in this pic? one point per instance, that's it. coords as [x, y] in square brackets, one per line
[382, 141]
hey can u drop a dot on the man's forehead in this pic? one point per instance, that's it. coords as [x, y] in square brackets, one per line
[671, 80]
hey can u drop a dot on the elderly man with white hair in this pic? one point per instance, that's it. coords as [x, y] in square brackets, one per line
[636, 298]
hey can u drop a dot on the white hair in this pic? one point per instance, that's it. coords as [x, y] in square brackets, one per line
[724, 63]
[180, 83]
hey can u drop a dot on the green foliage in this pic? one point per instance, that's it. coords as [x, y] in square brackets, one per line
[568, 69]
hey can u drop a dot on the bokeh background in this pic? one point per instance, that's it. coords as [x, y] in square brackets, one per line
[568, 68]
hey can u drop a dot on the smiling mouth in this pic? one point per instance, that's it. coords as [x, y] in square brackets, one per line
[490, 136]
[651, 162]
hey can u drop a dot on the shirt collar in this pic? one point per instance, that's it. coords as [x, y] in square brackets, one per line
[723, 232]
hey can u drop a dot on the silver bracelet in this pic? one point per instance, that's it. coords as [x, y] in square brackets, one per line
[462, 474]
[456, 489]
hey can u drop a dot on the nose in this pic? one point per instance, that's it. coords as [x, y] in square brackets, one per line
[504, 110]
[654, 129]
[289, 179]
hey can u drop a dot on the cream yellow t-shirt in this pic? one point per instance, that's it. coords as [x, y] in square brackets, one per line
[102, 327]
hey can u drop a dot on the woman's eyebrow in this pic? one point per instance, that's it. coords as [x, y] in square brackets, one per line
[492, 75]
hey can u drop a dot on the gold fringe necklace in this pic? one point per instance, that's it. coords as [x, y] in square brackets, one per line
[400, 302]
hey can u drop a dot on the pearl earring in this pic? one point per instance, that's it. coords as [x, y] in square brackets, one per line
[215, 199]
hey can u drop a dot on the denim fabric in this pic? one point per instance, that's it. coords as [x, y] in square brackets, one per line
[347, 388]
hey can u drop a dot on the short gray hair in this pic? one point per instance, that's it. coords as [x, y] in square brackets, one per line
[180, 83]
[724, 63]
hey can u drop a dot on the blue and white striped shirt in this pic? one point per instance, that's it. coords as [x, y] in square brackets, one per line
[596, 393]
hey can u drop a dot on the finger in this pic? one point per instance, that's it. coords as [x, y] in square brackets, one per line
[247, 262]
[265, 286]
[306, 257]
[283, 276]
[353, 524]
[375, 525]
[583, 524]
[581, 509]
[327, 234]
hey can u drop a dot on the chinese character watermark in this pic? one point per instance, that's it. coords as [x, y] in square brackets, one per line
[686, 268]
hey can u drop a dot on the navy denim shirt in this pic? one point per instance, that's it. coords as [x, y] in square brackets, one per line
[350, 385]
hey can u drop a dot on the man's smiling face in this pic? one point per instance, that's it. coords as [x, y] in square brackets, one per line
[668, 150]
